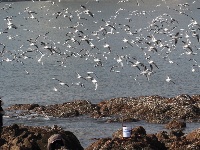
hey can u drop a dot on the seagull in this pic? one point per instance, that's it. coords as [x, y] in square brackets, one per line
[89, 12]
[146, 72]
[3, 49]
[58, 14]
[152, 62]
[40, 59]
[119, 60]
[113, 70]
[152, 48]
[55, 89]
[79, 76]
[106, 45]
[82, 6]
[109, 25]
[60, 82]
[98, 62]
[154, 40]
[126, 41]
[79, 84]
[194, 34]
[94, 81]
[138, 2]
[175, 37]
[187, 45]
[27, 72]
[194, 23]
[169, 80]
[135, 64]
[193, 69]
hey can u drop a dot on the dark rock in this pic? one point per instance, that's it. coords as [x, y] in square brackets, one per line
[175, 124]
[18, 137]
[23, 107]
[175, 139]
[138, 140]
[71, 113]
[162, 135]
[194, 135]
[177, 133]
[153, 109]
[152, 140]
[98, 144]
[139, 131]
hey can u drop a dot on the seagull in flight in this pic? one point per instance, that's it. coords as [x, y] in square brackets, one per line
[94, 81]
[175, 37]
[135, 64]
[126, 41]
[55, 89]
[79, 76]
[119, 60]
[168, 79]
[60, 82]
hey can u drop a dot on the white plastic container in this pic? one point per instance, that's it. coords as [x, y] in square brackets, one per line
[126, 132]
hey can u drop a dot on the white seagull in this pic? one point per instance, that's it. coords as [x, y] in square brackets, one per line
[169, 80]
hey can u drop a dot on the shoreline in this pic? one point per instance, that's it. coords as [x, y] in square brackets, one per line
[18, 136]
[174, 113]
[152, 109]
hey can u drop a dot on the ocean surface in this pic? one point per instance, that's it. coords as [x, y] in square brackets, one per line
[59, 51]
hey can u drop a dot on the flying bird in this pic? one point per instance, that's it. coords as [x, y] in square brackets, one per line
[60, 82]
[168, 79]
[175, 38]
[94, 81]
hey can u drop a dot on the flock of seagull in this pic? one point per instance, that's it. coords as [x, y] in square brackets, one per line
[161, 37]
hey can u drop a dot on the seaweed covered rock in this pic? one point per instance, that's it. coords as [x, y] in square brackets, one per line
[176, 139]
[19, 137]
[138, 140]
[194, 136]
[153, 109]
[68, 109]
[170, 140]
[175, 124]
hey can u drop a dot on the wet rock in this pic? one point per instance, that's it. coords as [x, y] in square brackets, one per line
[99, 144]
[69, 109]
[176, 139]
[176, 133]
[19, 137]
[162, 135]
[194, 135]
[23, 107]
[175, 124]
[138, 140]
[71, 113]
[153, 109]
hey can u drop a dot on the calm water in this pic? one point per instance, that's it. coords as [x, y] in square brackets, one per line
[49, 24]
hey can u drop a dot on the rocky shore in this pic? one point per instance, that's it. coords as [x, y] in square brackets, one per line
[153, 109]
[139, 140]
[175, 112]
[20, 137]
